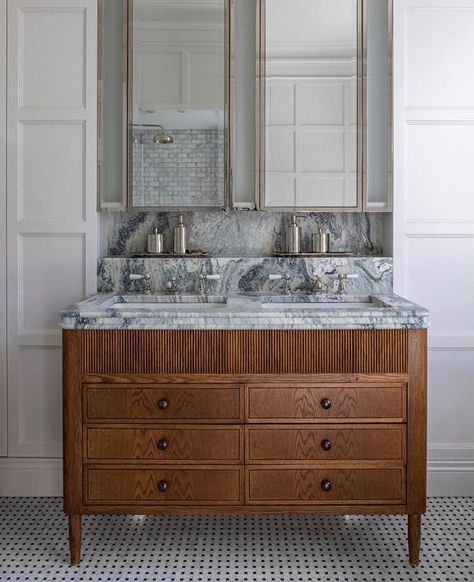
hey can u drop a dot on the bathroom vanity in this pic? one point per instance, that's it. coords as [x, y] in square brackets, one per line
[244, 404]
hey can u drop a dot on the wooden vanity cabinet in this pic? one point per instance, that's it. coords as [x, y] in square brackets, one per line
[260, 421]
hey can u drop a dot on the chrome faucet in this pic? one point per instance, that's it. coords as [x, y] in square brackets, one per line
[171, 286]
[286, 278]
[202, 282]
[342, 282]
[317, 284]
[146, 278]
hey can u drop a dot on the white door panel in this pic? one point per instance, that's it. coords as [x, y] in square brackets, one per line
[51, 185]
[434, 216]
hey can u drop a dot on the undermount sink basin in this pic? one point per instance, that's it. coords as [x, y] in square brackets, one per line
[283, 302]
[174, 302]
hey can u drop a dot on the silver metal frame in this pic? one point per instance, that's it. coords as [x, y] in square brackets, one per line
[101, 206]
[229, 19]
[365, 206]
[361, 115]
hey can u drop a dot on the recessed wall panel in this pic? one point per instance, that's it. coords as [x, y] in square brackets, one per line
[437, 76]
[321, 104]
[322, 151]
[52, 170]
[40, 400]
[439, 275]
[440, 171]
[52, 58]
[51, 277]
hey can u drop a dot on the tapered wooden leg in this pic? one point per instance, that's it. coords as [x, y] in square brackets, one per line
[414, 538]
[75, 538]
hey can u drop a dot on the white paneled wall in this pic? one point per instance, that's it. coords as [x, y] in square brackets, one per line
[3, 252]
[434, 216]
[51, 210]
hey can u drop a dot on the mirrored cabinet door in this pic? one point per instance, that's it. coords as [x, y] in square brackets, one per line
[310, 61]
[165, 103]
[323, 121]
[178, 103]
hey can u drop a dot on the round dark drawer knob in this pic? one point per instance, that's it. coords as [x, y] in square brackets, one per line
[163, 404]
[163, 445]
[326, 445]
[162, 486]
[326, 403]
[326, 485]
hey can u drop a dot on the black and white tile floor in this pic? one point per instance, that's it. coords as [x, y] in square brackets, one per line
[34, 546]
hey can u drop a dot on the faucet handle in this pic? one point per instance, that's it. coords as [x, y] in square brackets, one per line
[342, 281]
[203, 278]
[171, 286]
[146, 278]
[318, 284]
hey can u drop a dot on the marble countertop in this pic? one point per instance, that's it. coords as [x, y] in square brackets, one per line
[245, 311]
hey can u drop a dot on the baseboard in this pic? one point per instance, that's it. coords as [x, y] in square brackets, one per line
[21, 477]
[451, 479]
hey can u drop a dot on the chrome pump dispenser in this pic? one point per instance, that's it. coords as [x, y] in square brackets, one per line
[293, 237]
[179, 237]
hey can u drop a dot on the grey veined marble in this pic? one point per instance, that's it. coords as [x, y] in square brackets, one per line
[245, 311]
[237, 275]
[241, 233]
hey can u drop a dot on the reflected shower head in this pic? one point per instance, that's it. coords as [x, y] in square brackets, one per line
[162, 138]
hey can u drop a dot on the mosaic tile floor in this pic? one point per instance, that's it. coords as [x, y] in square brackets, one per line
[34, 547]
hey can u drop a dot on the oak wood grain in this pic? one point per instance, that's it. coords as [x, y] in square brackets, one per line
[296, 485]
[417, 423]
[414, 539]
[167, 444]
[232, 509]
[72, 422]
[329, 443]
[184, 403]
[349, 403]
[189, 486]
[244, 351]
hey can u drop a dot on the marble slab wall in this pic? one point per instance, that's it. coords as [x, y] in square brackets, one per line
[375, 274]
[240, 234]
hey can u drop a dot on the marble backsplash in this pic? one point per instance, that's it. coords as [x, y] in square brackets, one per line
[375, 274]
[240, 234]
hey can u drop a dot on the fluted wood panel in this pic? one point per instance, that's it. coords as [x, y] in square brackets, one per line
[244, 351]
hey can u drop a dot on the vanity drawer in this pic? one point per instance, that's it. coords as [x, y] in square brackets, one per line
[163, 486]
[166, 443]
[297, 486]
[305, 443]
[168, 403]
[327, 403]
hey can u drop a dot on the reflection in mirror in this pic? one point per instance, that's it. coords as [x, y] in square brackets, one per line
[310, 101]
[178, 110]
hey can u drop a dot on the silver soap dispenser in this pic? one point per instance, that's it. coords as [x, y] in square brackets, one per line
[179, 237]
[293, 237]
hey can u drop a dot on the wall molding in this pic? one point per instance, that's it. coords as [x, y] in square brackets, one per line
[29, 477]
[453, 478]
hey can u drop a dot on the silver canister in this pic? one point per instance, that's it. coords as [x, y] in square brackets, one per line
[293, 237]
[320, 242]
[179, 237]
[154, 243]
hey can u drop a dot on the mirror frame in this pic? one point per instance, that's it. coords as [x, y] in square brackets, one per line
[362, 203]
[229, 11]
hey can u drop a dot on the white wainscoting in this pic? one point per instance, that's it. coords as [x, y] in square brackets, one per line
[51, 221]
[434, 216]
